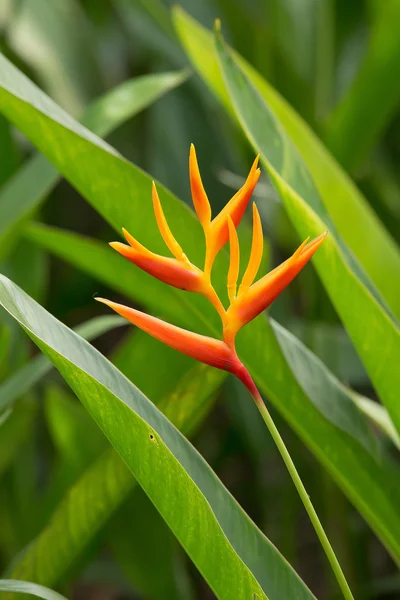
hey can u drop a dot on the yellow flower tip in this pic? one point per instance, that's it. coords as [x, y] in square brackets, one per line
[256, 253]
[126, 251]
[129, 238]
[163, 227]
[307, 249]
[199, 196]
[261, 294]
[103, 301]
[233, 272]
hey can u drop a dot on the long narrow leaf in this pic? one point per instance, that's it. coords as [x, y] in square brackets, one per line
[378, 343]
[24, 587]
[120, 196]
[24, 192]
[22, 380]
[229, 550]
[345, 203]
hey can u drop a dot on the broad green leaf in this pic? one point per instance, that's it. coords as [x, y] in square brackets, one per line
[120, 196]
[378, 343]
[228, 549]
[76, 438]
[24, 192]
[74, 527]
[24, 587]
[22, 380]
[370, 242]
[363, 114]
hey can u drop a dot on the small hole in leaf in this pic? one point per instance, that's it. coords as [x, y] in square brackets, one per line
[153, 439]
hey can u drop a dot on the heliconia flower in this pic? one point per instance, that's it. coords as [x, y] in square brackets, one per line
[246, 301]
[216, 231]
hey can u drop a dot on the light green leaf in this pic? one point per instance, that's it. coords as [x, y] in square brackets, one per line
[229, 550]
[24, 587]
[378, 343]
[120, 195]
[24, 192]
[370, 242]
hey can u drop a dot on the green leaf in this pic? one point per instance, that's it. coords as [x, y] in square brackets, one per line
[24, 192]
[363, 114]
[370, 242]
[143, 545]
[378, 344]
[379, 416]
[24, 587]
[79, 517]
[8, 155]
[40, 32]
[120, 195]
[129, 98]
[75, 526]
[229, 550]
[14, 430]
[22, 380]
[324, 390]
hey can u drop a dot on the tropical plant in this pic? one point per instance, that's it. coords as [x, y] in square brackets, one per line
[95, 495]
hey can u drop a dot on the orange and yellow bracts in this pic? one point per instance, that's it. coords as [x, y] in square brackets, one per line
[245, 302]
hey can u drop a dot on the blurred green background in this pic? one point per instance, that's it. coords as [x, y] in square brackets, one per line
[337, 62]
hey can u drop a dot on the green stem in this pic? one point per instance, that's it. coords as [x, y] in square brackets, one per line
[303, 495]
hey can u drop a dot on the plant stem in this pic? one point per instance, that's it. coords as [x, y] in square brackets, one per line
[303, 495]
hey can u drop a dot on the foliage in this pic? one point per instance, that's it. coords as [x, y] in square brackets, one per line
[138, 462]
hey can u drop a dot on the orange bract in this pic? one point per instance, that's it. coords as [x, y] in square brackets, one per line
[245, 302]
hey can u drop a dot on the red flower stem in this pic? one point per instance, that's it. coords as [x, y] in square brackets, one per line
[323, 538]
